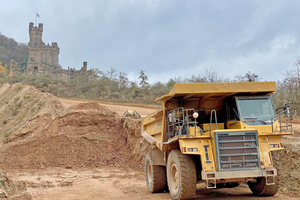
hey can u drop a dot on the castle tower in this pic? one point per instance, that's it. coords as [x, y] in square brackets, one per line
[42, 58]
[35, 35]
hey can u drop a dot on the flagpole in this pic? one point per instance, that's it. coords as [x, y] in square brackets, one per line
[36, 19]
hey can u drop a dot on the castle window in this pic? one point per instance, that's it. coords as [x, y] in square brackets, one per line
[45, 54]
[57, 75]
[45, 59]
[36, 33]
[36, 39]
[35, 44]
[50, 54]
[42, 53]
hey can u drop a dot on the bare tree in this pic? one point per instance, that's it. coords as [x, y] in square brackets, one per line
[248, 77]
[144, 79]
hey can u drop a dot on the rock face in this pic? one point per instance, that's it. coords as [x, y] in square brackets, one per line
[290, 164]
[132, 114]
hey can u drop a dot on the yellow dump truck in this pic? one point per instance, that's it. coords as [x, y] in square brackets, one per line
[219, 134]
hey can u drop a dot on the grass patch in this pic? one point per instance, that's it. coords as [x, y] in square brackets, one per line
[7, 134]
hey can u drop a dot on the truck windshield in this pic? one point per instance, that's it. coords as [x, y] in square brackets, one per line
[255, 109]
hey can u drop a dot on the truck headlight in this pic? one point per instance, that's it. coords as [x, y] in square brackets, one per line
[274, 145]
[192, 149]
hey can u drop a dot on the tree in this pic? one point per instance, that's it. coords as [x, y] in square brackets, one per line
[144, 78]
[2, 68]
[211, 76]
[249, 77]
[123, 81]
[297, 64]
[172, 81]
[112, 74]
[94, 74]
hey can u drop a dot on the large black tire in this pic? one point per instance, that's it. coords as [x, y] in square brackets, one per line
[260, 188]
[181, 175]
[155, 175]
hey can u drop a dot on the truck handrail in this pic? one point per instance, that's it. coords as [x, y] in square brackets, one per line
[211, 113]
[288, 114]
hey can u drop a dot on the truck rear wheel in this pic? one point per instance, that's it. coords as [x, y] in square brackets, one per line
[155, 175]
[260, 188]
[181, 175]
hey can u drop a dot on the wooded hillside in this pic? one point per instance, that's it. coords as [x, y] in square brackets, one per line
[12, 50]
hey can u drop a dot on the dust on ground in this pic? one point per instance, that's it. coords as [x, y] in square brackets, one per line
[86, 150]
[113, 183]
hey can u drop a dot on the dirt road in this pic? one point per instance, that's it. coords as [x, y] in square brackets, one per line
[112, 183]
[143, 110]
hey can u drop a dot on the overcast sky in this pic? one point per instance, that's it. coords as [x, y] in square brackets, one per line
[165, 38]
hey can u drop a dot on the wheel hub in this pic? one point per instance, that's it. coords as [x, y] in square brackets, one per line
[149, 173]
[174, 176]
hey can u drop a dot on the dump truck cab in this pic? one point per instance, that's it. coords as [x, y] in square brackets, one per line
[216, 133]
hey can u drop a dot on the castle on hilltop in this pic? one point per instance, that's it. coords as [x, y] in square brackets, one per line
[43, 59]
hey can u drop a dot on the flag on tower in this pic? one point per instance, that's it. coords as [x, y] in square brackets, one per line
[37, 15]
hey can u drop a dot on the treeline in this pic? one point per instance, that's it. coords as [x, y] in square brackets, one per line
[116, 87]
[288, 89]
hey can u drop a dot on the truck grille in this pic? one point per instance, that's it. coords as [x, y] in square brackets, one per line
[237, 151]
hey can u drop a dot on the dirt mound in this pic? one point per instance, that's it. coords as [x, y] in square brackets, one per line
[90, 106]
[80, 140]
[85, 135]
[22, 104]
[290, 163]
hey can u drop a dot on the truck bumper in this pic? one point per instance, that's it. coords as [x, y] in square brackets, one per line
[212, 177]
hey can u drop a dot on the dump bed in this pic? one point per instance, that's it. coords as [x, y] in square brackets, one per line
[188, 90]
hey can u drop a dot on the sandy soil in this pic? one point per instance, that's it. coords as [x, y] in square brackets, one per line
[113, 183]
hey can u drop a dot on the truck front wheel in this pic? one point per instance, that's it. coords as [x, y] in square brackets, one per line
[181, 175]
[155, 175]
[261, 188]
